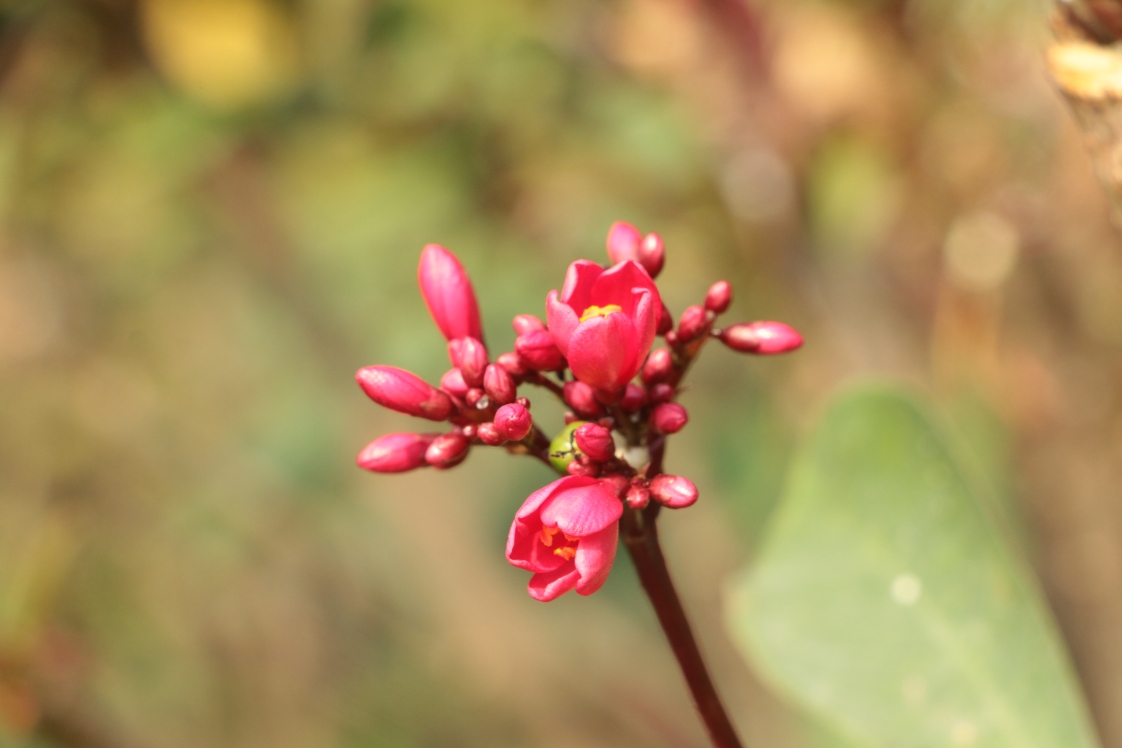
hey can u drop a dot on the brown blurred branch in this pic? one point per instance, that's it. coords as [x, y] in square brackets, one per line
[1086, 64]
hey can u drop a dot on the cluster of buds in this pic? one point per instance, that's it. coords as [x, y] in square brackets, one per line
[595, 351]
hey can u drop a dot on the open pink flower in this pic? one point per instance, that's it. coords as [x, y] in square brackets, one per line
[604, 321]
[566, 533]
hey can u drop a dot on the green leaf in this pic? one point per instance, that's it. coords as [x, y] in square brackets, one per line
[887, 602]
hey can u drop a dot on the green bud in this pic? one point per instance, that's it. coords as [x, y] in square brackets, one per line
[563, 448]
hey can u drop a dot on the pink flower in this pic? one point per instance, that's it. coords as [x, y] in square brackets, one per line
[604, 321]
[448, 293]
[566, 533]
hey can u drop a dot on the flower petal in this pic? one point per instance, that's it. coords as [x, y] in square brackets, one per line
[603, 351]
[614, 286]
[525, 549]
[595, 555]
[579, 280]
[562, 321]
[550, 586]
[583, 509]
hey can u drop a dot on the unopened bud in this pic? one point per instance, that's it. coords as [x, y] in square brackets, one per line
[524, 402]
[447, 292]
[570, 417]
[587, 469]
[447, 450]
[634, 398]
[658, 366]
[671, 337]
[404, 392]
[691, 325]
[638, 497]
[524, 323]
[673, 491]
[582, 399]
[595, 441]
[473, 396]
[762, 338]
[539, 351]
[395, 453]
[513, 422]
[660, 393]
[665, 320]
[489, 435]
[623, 242]
[652, 254]
[669, 418]
[719, 297]
[499, 385]
[453, 383]
[513, 364]
[470, 355]
[469, 430]
[616, 483]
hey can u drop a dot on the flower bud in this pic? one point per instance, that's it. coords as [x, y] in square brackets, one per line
[447, 450]
[665, 321]
[499, 385]
[671, 338]
[595, 441]
[692, 324]
[453, 383]
[719, 297]
[513, 422]
[652, 254]
[589, 469]
[539, 351]
[469, 430]
[470, 355]
[524, 402]
[763, 338]
[669, 418]
[623, 242]
[634, 398]
[489, 435]
[637, 497]
[448, 294]
[673, 491]
[513, 364]
[660, 393]
[404, 392]
[616, 483]
[395, 453]
[658, 366]
[582, 399]
[474, 395]
[524, 323]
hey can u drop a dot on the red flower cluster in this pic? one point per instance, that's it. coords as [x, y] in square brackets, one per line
[595, 354]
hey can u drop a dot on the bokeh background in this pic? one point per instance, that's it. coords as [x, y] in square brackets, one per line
[210, 216]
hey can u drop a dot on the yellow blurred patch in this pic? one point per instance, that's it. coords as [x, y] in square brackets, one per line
[227, 53]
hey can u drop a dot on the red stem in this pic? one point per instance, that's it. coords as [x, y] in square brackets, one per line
[640, 535]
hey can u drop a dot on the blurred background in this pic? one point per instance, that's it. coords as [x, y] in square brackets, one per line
[210, 216]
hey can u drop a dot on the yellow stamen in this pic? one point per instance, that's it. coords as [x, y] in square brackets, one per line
[547, 534]
[599, 311]
[566, 553]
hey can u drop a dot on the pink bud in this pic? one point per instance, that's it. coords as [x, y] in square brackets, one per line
[719, 297]
[623, 242]
[448, 294]
[652, 254]
[638, 497]
[499, 385]
[395, 453]
[582, 398]
[660, 393]
[539, 351]
[524, 402]
[673, 491]
[524, 323]
[447, 450]
[570, 417]
[669, 418]
[489, 435]
[763, 338]
[469, 430]
[665, 321]
[474, 395]
[404, 392]
[658, 366]
[616, 483]
[513, 422]
[595, 441]
[587, 469]
[453, 383]
[634, 398]
[470, 355]
[692, 324]
[671, 338]
[513, 364]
